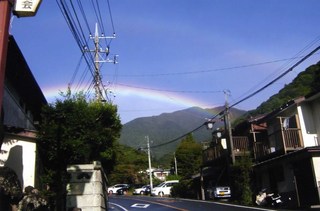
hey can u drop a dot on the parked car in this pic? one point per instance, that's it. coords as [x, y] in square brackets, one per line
[113, 189]
[123, 190]
[221, 192]
[144, 190]
[164, 188]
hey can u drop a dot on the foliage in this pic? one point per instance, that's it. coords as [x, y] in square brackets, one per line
[305, 83]
[75, 131]
[10, 188]
[184, 189]
[127, 165]
[169, 126]
[241, 174]
[173, 177]
[189, 157]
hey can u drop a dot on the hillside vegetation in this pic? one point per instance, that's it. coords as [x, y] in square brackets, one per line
[305, 83]
[169, 126]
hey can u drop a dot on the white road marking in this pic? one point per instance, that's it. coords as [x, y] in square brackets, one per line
[118, 205]
[140, 205]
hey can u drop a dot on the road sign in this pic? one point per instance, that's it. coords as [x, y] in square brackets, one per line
[26, 8]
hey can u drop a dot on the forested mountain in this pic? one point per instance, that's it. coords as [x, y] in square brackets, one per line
[169, 126]
[305, 83]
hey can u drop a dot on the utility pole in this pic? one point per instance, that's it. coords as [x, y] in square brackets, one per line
[98, 59]
[175, 164]
[149, 159]
[228, 123]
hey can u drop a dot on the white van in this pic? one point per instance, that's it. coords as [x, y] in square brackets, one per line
[164, 188]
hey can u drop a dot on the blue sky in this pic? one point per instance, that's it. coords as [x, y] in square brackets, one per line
[181, 53]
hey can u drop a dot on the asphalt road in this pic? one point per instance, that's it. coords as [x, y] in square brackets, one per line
[123, 203]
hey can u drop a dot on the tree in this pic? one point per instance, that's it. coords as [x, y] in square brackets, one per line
[189, 157]
[241, 176]
[129, 162]
[75, 131]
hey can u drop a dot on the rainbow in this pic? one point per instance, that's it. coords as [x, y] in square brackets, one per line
[141, 101]
[124, 91]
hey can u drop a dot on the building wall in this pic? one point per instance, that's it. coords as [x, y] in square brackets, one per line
[15, 111]
[316, 166]
[316, 117]
[20, 156]
[287, 184]
[308, 126]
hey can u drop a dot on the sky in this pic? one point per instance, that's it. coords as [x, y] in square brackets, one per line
[177, 54]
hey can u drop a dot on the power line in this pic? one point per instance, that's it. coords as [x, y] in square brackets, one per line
[240, 101]
[78, 15]
[209, 70]
[277, 78]
[167, 90]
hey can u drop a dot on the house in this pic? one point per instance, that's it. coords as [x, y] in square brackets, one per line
[159, 173]
[22, 103]
[287, 155]
[217, 161]
[284, 146]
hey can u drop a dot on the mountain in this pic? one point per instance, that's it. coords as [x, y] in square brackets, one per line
[306, 82]
[170, 126]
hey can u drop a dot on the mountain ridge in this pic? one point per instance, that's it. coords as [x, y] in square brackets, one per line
[167, 127]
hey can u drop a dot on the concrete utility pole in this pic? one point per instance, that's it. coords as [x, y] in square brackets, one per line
[175, 164]
[98, 59]
[149, 159]
[5, 14]
[227, 119]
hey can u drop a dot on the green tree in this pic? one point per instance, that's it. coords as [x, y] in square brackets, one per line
[241, 175]
[189, 157]
[129, 162]
[75, 131]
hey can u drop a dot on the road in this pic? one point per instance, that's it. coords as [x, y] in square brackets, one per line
[123, 203]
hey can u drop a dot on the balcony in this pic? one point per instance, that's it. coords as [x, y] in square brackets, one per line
[212, 153]
[240, 148]
[240, 145]
[292, 139]
[283, 141]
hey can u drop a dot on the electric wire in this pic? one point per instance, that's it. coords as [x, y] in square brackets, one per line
[76, 70]
[111, 19]
[247, 97]
[284, 67]
[277, 78]
[167, 90]
[74, 30]
[84, 16]
[208, 70]
[75, 14]
[100, 17]
[97, 16]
